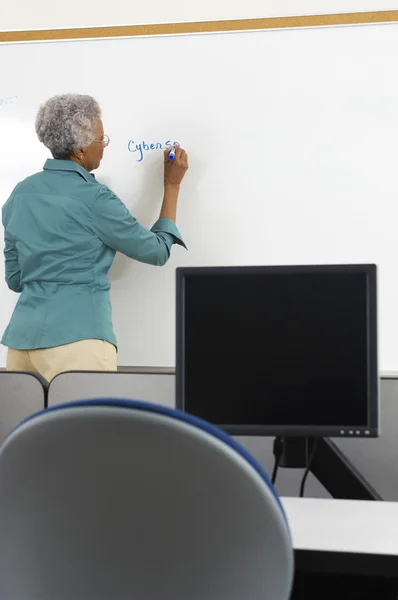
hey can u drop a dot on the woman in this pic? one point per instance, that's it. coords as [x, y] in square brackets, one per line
[62, 230]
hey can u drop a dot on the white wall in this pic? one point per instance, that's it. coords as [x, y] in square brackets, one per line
[40, 14]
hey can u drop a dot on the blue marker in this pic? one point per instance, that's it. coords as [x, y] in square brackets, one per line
[172, 153]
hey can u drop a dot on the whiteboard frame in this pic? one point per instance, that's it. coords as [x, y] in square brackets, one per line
[326, 20]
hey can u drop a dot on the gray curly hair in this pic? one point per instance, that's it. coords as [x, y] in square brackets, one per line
[67, 121]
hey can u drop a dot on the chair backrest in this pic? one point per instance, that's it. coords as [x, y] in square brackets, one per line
[158, 388]
[114, 499]
[21, 394]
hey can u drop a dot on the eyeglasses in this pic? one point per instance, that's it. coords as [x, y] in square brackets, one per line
[105, 141]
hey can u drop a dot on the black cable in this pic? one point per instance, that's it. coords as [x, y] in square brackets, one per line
[276, 467]
[307, 470]
[278, 448]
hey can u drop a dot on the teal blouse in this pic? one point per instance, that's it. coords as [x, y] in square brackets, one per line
[62, 230]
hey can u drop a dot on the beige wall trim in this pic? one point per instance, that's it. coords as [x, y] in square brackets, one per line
[388, 16]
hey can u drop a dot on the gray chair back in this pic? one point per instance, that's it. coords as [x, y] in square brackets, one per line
[122, 500]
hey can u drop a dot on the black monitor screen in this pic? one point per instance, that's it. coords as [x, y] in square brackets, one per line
[279, 350]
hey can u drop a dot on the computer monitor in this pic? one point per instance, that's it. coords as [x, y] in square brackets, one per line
[284, 350]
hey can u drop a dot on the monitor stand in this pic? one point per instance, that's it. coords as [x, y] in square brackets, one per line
[329, 465]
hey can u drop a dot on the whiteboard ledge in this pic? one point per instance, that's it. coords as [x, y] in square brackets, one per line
[358, 18]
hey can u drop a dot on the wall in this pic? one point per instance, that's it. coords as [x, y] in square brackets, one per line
[40, 14]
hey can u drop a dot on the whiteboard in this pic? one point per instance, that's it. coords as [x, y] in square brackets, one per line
[292, 138]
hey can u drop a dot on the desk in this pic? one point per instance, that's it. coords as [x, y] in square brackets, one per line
[344, 545]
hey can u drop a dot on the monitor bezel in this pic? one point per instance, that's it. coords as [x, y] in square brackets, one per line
[342, 431]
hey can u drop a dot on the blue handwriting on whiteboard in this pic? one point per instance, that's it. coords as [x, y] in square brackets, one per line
[8, 100]
[143, 147]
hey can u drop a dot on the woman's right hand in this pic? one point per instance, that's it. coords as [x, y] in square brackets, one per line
[174, 170]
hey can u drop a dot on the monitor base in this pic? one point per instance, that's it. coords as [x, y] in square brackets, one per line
[328, 464]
